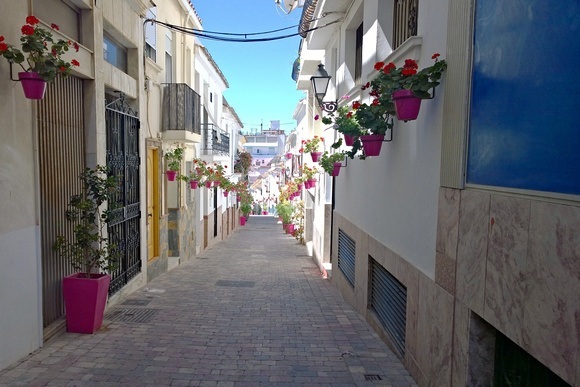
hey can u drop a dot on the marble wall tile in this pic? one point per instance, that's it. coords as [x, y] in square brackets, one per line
[460, 345]
[481, 352]
[445, 272]
[441, 337]
[424, 323]
[552, 292]
[448, 221]
[472, 249]
[506, 265]
[409, 276]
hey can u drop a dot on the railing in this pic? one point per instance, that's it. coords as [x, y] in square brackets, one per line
[215, 140]
[405, 21]
[181, 108]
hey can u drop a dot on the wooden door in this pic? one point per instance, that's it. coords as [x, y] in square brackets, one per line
[152, 204]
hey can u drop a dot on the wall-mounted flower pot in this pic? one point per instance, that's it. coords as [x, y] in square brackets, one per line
[312, 183]
[300, 186]
[84, 301]
[242, 220]
[349, 140]
[208, 184]
[226, 193]
[216, 183]
[171, 175]
[193, 184]
[288, 155]
[372, 144]
[315, 156]
[406, 105]
[336, 169]
[33, 85]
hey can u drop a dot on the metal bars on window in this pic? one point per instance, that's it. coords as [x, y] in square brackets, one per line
[388, 299]
[405, 21]
[346, 256]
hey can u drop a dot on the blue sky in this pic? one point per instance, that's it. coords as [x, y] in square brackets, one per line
[259, 74]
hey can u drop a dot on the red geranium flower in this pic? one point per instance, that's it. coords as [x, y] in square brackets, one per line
[375, 102]
[27, 30]
[316, 117]
[56, 27]
[32, 20]
[76, 46]
[379, 65]
[62, 69]
[3, 47]
[389, 67]
[366, 86]
[355, 105]
[1, 38]
[408, 71]
[75, 62]
[349, 115]
[436, 55]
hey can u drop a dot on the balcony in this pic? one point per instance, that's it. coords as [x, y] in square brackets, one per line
[216, 142]
[181, 113]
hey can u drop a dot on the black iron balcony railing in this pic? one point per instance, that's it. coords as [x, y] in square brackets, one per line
[405, 21]
[181, 108]
[215, 140]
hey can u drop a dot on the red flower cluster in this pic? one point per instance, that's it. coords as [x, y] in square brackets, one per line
[410, 67]
[355, 105]
[3, 46]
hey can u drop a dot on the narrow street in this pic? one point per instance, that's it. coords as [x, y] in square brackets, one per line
[252, 310]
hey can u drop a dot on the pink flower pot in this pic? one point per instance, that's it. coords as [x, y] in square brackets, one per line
[33, 85]
[349, 140]
[238, 199]
[406, 105]
[216, 183]
[336, 169]
[315, 156]
[242, 220]
[290, 228]
[285, 227]
[301, 186]
[171, 175]
[264, 212]
[208, 184]
[372, 144]
[193, 184]
[84, 301]
[312, 183]
[226, 193]
[288, 155]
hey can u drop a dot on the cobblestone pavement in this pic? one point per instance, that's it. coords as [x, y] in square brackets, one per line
[250, 311]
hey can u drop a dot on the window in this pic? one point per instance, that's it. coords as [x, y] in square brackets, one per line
[346, 256]
[405, 21]
[168, 57]
[358, 54]
[210, 97]
[114, 53]
[151, 35]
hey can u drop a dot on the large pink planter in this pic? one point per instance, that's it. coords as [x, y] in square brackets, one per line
[33, 85]
[171, 175]
[290, 228]
[242, 220]
[372, 144]
[315, 156]
[406, 105]
[84, 301]
[336, 169]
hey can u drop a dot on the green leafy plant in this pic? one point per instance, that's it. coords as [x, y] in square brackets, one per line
[246, 208]
[327, 160]
[311, 145]
[344, 121]
[174, 158]
[90, 249]
[284, 210]
[39, 52]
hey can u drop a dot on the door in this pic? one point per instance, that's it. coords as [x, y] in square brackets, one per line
[152, 204]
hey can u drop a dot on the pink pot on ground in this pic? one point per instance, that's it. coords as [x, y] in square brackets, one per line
[193, 184]
[242, 220]
[349, 140]
[171, 175]
[336, 169]
[290, 228]
[315, 156]
[372, 144]
[84, 301]
[264, 212]
[33, 85]
[406, 105]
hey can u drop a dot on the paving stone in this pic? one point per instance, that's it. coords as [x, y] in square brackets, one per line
[290, 328]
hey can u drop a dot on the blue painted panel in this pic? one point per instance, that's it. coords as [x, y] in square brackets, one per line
[525, 106]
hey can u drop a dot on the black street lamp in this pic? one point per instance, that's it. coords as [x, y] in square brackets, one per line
[320, 81]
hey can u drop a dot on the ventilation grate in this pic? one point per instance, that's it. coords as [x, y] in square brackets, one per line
[388, 299]
[235, 284]
[131, 315]
[136, 302]
[372, 377]
[346, 256]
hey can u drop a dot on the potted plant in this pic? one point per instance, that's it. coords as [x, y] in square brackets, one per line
[40, 57]
[309, 173]
[245, 209]
[285, 209]
[345, 122]
[174, 158]
[89, 252]
[311, 146]
[331, 163]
